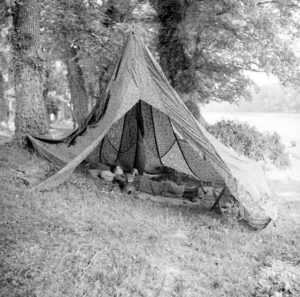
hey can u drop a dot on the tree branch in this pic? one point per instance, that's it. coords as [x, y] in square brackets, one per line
[266, 2]
[272, 2]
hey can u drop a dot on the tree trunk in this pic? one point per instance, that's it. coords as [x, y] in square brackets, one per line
[176, 64]
[79, 96]
[30, 107]
[3, 105]
[173, 59]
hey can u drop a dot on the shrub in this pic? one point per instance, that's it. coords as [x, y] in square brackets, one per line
[247, 140]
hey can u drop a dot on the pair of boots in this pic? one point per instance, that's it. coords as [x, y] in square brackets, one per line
[191, 193]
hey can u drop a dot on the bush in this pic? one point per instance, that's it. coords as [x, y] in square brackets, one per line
[247, 140]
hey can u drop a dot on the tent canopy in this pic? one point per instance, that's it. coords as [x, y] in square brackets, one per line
[141, 122]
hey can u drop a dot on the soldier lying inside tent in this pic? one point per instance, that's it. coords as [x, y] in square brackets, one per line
[132, 181]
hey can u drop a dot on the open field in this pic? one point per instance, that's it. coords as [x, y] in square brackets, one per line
[85, 238]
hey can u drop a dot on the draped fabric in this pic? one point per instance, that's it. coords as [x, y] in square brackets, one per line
[142, 123]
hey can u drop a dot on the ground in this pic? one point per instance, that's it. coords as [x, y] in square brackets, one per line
[86, 238]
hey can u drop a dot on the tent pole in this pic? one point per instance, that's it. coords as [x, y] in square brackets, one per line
[217, 198]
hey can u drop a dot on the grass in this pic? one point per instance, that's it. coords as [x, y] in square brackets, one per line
[84, 239]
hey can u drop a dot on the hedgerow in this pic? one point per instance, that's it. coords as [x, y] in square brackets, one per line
[247, 140]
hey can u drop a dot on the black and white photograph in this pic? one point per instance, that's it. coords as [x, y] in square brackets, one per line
[149, 148]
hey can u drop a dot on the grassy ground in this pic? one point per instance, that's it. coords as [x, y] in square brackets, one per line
[87, 239]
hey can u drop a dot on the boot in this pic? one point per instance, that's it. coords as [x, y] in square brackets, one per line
[191, 194]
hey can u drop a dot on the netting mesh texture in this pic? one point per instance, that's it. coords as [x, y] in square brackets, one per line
[144, 138]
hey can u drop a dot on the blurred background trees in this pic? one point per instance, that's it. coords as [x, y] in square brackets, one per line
[206, 49]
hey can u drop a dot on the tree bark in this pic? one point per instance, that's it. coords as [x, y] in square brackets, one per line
[30, 108]
[79, 96]
[173, 59]
[175, 63]
[3, 105]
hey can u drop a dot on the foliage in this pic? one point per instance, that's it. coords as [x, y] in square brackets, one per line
[96, 30]
[205, 47]
[248, 141]
[212, 43]
[71, 31]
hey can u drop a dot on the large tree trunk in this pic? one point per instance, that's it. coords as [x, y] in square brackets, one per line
[176, 64]
[173, 58]
[3, 105]
[79, 96]
[30, 107]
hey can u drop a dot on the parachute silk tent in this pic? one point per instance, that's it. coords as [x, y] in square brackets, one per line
[140, 121]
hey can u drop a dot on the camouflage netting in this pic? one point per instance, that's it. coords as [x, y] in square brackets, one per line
[143, 123]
